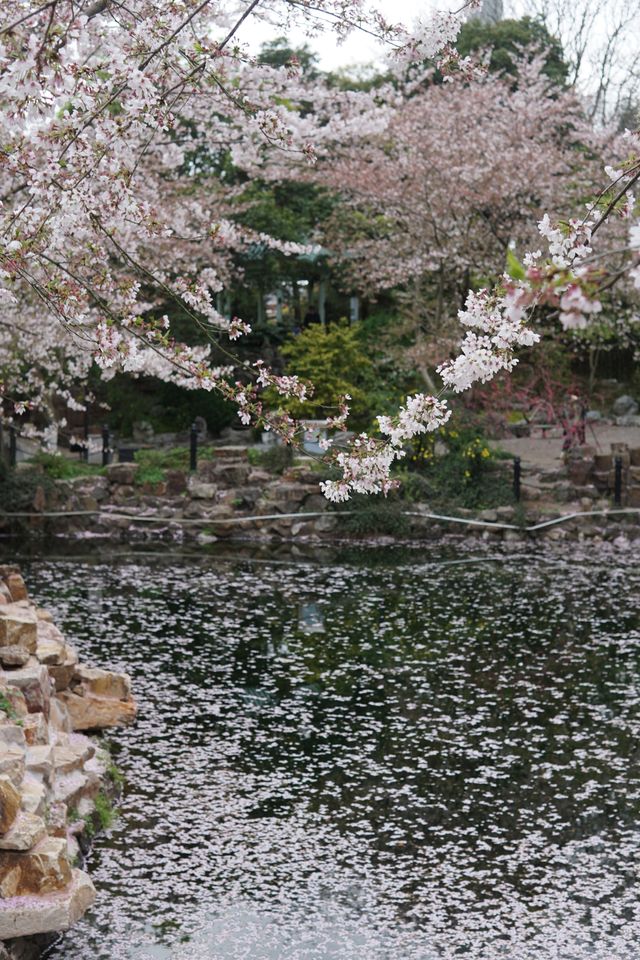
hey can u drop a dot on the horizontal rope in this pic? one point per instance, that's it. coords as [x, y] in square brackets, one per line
[206, 521]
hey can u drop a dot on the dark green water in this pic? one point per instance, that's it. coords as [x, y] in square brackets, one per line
[373, 758]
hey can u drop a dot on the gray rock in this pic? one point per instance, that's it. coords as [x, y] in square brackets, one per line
[122, 473]
[202, 491]
[625, 406]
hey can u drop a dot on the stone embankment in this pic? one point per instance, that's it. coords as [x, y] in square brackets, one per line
[51, 774]
[211, 502]
[228, 497]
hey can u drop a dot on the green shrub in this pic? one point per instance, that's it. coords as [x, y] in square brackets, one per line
[458, 468]
[58, 467]
[336, 361]
[367, 515]
[155, 462]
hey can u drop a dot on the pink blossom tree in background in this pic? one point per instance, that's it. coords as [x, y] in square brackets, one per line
[106, 110]
[454, 177]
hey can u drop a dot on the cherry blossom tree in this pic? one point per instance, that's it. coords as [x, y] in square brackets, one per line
[455, 176]
[107, 110]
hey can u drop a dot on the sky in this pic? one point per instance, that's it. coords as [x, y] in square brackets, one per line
[357, 49]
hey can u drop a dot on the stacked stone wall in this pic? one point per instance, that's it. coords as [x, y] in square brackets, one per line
[50, 771]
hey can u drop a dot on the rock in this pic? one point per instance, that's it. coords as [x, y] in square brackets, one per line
[95, 713]
[25, 831]
[176, 482]
[9, 804]
[42, 870]
[625, 406]
[12, 763]
[67, 759]
[315, 503]
[16, 586]
[122, 473]
[202, 491]
[33, 679]
[59, 717]
[14, 656]
[27, 916]
[70, 787]
[36, 729]
[592, 416]
[18, 626]
[62, 673]
[39, 762]
[230, 453]
[11, 735]
[102, 683]
[232, 475]
[33, 795]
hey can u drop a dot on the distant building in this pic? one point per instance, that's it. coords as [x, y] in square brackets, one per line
[490, 11]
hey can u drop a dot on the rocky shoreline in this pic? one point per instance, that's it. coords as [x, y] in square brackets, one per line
[228, 497]
[55, 780]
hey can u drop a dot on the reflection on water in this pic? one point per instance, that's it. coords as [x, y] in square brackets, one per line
[366, 761]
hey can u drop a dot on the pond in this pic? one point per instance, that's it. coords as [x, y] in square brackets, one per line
[379, 757]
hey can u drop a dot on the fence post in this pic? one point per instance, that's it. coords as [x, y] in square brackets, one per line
[193, 448]
[13, 446]
[517, 472]
[106, 453]
[617, 482]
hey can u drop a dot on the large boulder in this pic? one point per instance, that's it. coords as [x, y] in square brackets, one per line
[102, 683]
[90, 712]
[27, 916]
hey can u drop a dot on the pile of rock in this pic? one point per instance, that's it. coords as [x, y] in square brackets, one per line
[50, 774]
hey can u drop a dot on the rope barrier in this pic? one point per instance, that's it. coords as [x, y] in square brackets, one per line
[207, 521]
